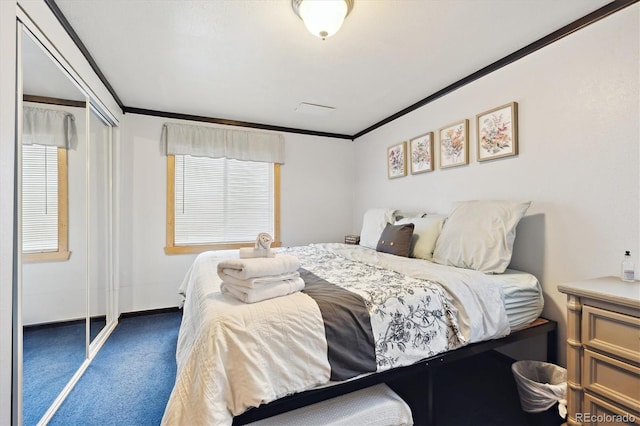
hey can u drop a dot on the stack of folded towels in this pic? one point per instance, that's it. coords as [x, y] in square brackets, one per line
[254, 279]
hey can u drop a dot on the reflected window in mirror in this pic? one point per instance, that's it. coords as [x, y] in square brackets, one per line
[47, 135]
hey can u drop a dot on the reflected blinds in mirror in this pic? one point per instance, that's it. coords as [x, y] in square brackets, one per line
[39, 198]
[46, 134]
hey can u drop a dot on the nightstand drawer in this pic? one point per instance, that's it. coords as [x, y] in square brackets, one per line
[611, 332]
[599, 412]
[613, 379]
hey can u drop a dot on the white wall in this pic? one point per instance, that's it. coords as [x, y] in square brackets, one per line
[316, 193]
[578, 131]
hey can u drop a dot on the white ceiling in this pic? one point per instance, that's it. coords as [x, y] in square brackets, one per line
[254, 61]
[42, 77]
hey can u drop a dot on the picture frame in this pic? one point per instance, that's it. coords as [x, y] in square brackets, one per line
[397, 160]
[497, 132]
[421, 153]
[454, 144]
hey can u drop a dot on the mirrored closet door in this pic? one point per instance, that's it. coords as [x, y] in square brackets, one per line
[100, 226]
[65, 284]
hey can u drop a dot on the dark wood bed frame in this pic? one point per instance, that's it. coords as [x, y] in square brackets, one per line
[426, 368]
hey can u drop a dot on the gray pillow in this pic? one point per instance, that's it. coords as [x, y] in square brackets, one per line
[396, 239]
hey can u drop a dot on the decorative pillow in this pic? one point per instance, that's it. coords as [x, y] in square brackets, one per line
[479, 235]
[425, 234]
[396, 239]
[403, 214]
[373, 224]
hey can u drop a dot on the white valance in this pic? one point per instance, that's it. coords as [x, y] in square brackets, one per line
[48, 127]
[203, 141]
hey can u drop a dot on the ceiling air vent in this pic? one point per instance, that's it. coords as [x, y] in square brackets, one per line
[314, 109]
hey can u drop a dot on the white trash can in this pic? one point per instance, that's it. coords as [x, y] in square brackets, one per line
[541, 386]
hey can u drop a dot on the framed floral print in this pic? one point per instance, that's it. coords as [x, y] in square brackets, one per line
[454, 144]
[421, 153]
[397, 160]
[497, 132]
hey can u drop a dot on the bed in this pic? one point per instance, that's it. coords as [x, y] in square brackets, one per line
[233, 356]
[418, 291]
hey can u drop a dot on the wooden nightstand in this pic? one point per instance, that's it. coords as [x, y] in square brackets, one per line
[603, 351]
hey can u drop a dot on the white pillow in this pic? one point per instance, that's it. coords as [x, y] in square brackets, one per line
[404, 214]
[425, 234]
[373, 223]
[479, 235]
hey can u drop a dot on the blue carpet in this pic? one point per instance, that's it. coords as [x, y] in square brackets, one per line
[51, 355]
[129, 381]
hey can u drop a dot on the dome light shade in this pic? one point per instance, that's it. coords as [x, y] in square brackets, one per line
[323, 18]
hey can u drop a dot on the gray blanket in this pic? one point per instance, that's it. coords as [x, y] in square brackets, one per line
[350, 343]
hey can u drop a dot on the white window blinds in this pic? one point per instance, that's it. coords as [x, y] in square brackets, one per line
[39, 198]
[221, 200]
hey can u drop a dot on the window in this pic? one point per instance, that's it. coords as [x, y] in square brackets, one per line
[44, 203]
[219, 203]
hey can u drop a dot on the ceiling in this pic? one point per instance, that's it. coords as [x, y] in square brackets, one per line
[254, 61]
[41, 77]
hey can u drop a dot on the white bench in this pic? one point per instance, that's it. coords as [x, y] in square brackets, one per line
[374, 406]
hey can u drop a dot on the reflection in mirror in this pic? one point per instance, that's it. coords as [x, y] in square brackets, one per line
[54, 219]
[99, 221]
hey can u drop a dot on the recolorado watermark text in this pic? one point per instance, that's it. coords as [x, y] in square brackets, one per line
[605, 418]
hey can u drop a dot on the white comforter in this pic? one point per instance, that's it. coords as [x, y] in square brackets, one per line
[232, 356]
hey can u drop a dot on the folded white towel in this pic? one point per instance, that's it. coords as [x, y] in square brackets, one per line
[251, 252]
[268, 291]
[259, 267]
[257, 282]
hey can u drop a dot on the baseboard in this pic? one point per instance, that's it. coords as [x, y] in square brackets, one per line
[149, 312]
[54, 324]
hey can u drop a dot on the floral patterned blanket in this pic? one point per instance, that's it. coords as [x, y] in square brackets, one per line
[411, 318]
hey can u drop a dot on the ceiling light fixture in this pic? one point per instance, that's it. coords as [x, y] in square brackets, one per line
[323, 18]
